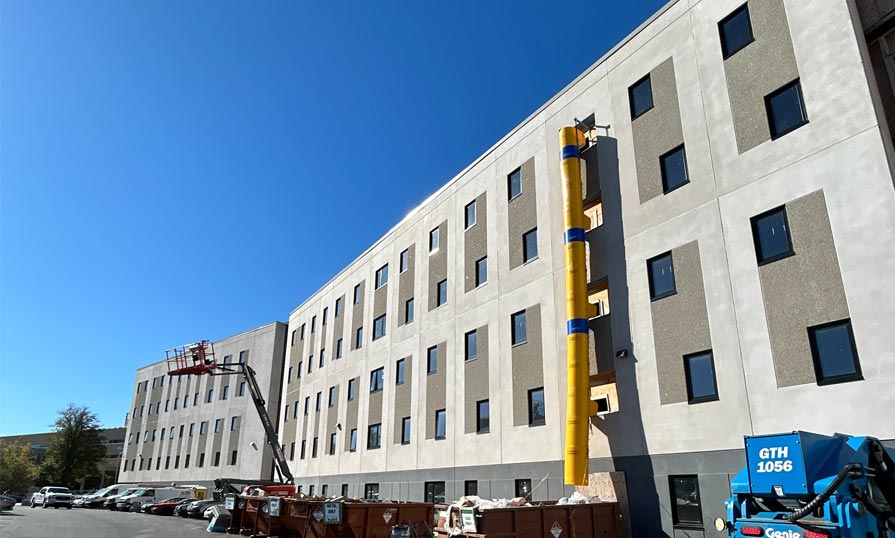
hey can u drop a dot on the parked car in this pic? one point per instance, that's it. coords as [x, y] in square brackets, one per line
[150, 495]
[166, 508]
[17, 495]
[98, 498]
[112, 499]
[7, 502]
[196, 509]
[54, 496]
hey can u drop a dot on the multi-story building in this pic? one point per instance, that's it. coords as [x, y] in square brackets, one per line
[197, 428]
[742, 253]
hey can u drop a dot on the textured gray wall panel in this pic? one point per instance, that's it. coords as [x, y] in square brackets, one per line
[406, 283]
[475, 241]
[522, 213]
[357, 314]
[402, 399]
[528, 365]
[351, 408]
[435, 388]
[438, 265]
[476, 380]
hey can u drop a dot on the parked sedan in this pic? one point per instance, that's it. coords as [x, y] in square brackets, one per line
[7, 502]
[167, 508]
[196, 509]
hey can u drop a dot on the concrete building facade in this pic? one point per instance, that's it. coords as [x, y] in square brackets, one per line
[193, 429]
[739, 180]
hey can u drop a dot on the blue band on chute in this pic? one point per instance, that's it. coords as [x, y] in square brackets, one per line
[577, 326]
[574, 234]
[570, 151]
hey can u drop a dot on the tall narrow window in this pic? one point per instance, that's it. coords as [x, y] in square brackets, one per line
[640, 95]
[523, 488]
[536, 413]
[304, 449]
[470, 345]
[530, 245]
[404, 260]
[374, 436]
[686, 507]
[735, 31]
[770, 234]
[226, 392]
[313, 324]
[325, 314]
[339, 345]
[470, 214]
[357, 294]
[234, 423]
[440, 424]
[834, 352]
[481, 271]
[314, 444]
[322, 358]
[700, 373]
[399, 372]
[408, 310]
[371, 491]
[318, 402]
[377, 380]
[242, 385]
[518, 328]
[442, 296]
[514, 184]
[352, 388]
[382, 276]
[483, 416]
[332, 397]
[359, 338]
[434, 240]
[332, 444]
[379, 327]
[405, 431]
[786, 109]
[233, 457]
[352, 441]
[432, 360]
[661, 276]
[338, 307]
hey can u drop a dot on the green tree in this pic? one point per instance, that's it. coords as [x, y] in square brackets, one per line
[76, 447]
[17, 468]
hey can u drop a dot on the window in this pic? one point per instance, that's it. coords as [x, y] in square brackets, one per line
[292, 339]
[298, 367]
[770, 234]
[313, 324]
[196, 398]
[176, 462]
[523, 488]
[514, 184]
[311, 490]
[640, 94]
[332, 397]
[310, 364]
[146, 433]
[295, 409]
[292, 451]
[435, 492]
[243, 355]
[404, 262]
[834, 353]
[325, 314]
[408, 310]
[470, 488]
[217, 459]
[536, 413]
[352, 387]
[289, 376]
[700, 372]
[226, 392]
[357, 294]
[371, 491]
[686, 509]
[201, 460]
[186, 463]
[661, 276]
[233, 457]
[322, 358]
[339, 348]
[374, 432]
[382, 276]
[180, 431]
[379, 327]
[359, 338]
[470, 345]
[405, 431]
[481, 271]
[338, 307]
[442, 296]
[434, 240]
[399, 372]
[470, 214]
[302, 331]
[217, 425]
[483, 416]
[352, 441]
[332, 444]
[517, 328]
[432, 360]
[130, 438]
[377, 379]
[674, 169]
[324, 489]
[440, 424]
[736, 31]
[286, 414]
[344, 490]
[234, 423]
[203, 428]
[317, 402]
[304, 449]
[530, 246]
[314, 447]
[786, 109]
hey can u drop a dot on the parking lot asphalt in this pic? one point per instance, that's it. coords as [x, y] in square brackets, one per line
[26, 522]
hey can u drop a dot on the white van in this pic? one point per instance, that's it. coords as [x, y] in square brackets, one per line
[151, 495]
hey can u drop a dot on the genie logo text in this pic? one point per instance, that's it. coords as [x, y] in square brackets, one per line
[771, 533]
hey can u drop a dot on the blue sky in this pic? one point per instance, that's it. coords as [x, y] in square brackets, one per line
[173, 171]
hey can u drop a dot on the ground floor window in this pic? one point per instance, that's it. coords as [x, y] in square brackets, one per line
[471, 487]
[435, 492]
[371, 491]
[523, 488]
[686, 508]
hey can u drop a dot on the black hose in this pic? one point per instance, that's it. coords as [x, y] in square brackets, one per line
[851, 469]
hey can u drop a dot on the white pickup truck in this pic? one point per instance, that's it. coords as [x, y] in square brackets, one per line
[52, 496]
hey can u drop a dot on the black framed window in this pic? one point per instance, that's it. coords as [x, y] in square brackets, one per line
[408, 311]
[640, 95]
[325, 314]
[674, 169]
[405, 431]
[471, 487]
[374, 436]
[352, 388]
[434, 240]
[470, 345]
[530, 245]
[322, 360]
[770, 234]
[357, 294]
[442, 293]
[344, 490]
[435, 492]
[432, 360]
[331, 401]
[700, 372]
[324, 490]
[359, 338]
[405, 260]
[352, 440]
[338, 307]
[481, 271]
[735, 31]
[518, 328]
[371, 491]
[332, 444]
[379, 327]
[834, 352]
[482, 416]
[686, 507]
[377, 379]
[661, 276]
[470, 215]
[382, 276]
[536, 413]
[399, 371]
[523, 488]
[318, 402]
[440, 424]
[786, 109]
[514, 184]
[339, 345]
